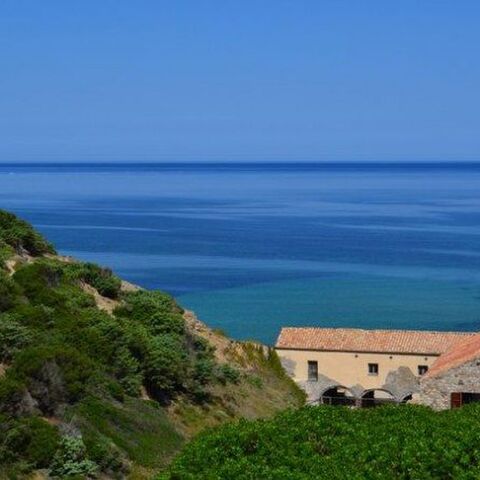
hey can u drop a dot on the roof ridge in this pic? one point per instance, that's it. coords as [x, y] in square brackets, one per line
[372, 340]
[456, 332]
[457, 355]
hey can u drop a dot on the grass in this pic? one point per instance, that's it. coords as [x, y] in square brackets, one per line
[139, 428]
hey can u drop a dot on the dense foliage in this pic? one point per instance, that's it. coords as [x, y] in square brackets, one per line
[99, 379]
[63, 358]
[102, 279]
[61, 350]
[385, 443]
[18, 235]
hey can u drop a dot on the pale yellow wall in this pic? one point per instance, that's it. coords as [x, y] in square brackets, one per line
[350, 368]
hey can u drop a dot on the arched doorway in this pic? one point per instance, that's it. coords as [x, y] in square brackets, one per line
[376, 397]
[337, 395]
[406, 398]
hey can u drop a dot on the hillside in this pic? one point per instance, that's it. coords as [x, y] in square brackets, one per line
[99, 378]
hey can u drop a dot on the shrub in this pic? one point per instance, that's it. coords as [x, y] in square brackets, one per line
[36, 317]
[255, 381]
[6, 251]
[166, 322]
[30, 440]
[71, 459]
[203, 370]
[20, 235]
[9, 292]
[12, 394]
[172, 359]
[38, 281]
[105, 454]
[142, 306]
[227, 374]
[166, 365]
[54, 374]
[13, 337]
[41, 441]
[102, 279]
[127, 371]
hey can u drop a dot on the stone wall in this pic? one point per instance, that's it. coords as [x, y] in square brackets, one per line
[400, 383]
[435, 391]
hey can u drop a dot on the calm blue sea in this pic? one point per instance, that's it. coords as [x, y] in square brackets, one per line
[252, 247]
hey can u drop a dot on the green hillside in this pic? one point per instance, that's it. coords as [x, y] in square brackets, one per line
[99, 378]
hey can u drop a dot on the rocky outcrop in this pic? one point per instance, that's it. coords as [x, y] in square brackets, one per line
[48, 389]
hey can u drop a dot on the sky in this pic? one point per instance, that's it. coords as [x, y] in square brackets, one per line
[271, 80]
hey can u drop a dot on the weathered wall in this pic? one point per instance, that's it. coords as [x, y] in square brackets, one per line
[397, 372]
[435, 391]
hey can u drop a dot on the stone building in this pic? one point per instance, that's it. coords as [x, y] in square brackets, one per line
[454, 378]
[368, 367]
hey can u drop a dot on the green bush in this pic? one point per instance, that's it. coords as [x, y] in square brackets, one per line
[172, 360]
[12, 394]
[203, 370]
[143, 306]
[30, 440]
[127, 371]
[39, 282]
[71, 459]
[9, 292]
[165, 322]
[63, 371]
[13, 337]
[254, 380]
[105, 454]
[227, 374]
[35, 317]
[166, 366]
[6, 251]
[41, 441]
[102, 279]
[20, 235]
[391, 442]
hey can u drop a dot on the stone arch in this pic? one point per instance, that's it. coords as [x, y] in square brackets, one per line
[406, 397]
[374, 397]
[337, 395]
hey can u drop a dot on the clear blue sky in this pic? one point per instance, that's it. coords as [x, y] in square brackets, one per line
[239, 80]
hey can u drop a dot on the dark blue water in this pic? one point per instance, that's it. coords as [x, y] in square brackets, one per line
[252, 247]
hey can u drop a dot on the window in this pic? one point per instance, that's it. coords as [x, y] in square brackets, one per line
[373, 368]
[422, 369]
[457, 399]
[312, 370]
[468, 397]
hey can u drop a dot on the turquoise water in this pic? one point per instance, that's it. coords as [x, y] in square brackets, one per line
[252, 247]
[361, 301]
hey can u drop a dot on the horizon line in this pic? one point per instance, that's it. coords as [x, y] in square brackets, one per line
[236, 162]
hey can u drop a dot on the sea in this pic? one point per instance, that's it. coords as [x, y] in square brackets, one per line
[252, 247]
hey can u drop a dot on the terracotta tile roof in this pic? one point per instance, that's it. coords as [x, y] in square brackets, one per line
[458, 354]
[358, 340]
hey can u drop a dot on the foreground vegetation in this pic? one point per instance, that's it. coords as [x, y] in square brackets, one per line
[99, 378]
[391, 442]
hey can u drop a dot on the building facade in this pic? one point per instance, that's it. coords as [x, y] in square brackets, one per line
[368, 367]
[454, 379]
